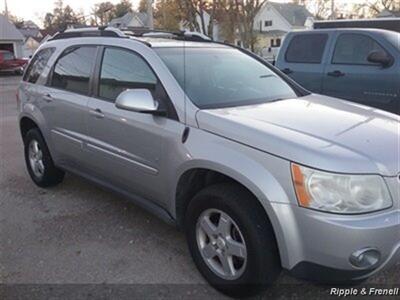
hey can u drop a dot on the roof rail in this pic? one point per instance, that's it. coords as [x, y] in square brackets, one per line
[178, 35]
[89, 32]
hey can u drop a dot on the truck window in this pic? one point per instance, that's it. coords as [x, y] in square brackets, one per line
[353, 49]
[306, 48]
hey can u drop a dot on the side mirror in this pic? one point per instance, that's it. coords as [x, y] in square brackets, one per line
[138, 100]
[380, 57]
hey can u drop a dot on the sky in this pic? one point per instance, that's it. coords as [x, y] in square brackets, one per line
[36, 9]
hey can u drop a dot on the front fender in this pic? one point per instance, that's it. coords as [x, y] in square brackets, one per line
[268, 177]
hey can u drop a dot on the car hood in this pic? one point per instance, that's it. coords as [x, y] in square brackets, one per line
[318, 131]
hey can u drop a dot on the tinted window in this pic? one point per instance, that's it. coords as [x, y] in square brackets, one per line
[354, 49]
[306, 48]
[73, 68]
[121, 70]
[221, 77]
[38, 64]
[8, 56]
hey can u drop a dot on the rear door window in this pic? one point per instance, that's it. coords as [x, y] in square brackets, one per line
[306, 48]
[353, 49]
[73, 69]
[37, 65]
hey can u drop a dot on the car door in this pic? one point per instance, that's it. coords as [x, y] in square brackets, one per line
[349, 74]
[302, 59]
[66, 97]
[125, 147]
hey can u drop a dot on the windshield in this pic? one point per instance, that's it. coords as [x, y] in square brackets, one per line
[221, 77]
[394, 38]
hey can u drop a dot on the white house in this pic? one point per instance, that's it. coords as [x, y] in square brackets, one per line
[33, 37]
[206, 20]
[10, 38]
[274, 20]
[389, 14]
[130, 19]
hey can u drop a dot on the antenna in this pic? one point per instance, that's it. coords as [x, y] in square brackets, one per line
[149, 5]
[333, 12]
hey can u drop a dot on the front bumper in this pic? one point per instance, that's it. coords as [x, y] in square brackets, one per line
[318, 245]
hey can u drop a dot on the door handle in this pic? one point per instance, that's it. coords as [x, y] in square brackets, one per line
[287, 71]
[48, 98]
[96, 113]
[336, 73]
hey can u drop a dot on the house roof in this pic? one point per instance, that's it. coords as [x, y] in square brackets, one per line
[29, 32]
[8, 31]
[295, 14]
[127, 18]
[389, 14]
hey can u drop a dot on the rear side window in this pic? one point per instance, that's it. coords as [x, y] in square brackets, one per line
[121, 70]
[306, 48]
[37, 65]
[354, 49]
[73, 69]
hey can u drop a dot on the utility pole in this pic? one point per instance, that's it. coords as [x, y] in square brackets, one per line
[150, 22]
[5, 9]
[333, 13]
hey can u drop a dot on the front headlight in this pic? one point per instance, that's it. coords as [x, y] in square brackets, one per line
[339, 193]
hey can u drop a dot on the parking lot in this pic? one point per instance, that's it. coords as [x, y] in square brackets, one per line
[77, 233]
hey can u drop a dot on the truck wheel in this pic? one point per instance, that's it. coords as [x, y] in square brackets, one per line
[39, 162]
[231, 240]
[20, 71]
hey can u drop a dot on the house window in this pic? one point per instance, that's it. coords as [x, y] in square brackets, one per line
[267, 23]
[275, 42]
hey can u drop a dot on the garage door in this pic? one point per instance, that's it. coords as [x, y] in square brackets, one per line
[8, 47]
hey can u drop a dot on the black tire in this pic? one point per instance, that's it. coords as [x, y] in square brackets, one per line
[263, 262]
[51, 175]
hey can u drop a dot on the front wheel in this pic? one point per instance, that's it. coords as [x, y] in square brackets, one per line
[231, 240]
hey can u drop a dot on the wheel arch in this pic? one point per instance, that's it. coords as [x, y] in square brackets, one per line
[25, 124]
[198, 176]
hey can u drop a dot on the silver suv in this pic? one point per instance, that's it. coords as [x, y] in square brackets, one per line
[259, 173]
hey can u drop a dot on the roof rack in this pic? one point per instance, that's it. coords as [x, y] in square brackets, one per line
[107, 31]
[102, 31]
[177, 35]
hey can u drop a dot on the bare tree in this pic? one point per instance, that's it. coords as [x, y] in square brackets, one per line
[103, 12]
[374, 7]
[246, 12]
[320, 8]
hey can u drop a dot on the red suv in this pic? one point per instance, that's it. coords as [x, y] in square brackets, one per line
[8, 62]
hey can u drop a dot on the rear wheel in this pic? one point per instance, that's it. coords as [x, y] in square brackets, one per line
[231, 240]
[39, 162]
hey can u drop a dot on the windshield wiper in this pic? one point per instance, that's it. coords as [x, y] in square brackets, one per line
[266, 76]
